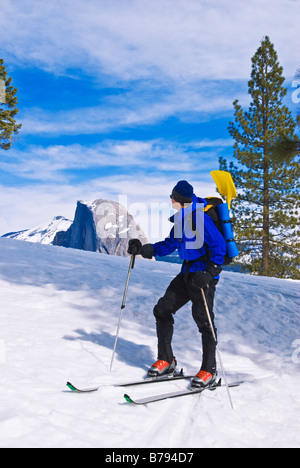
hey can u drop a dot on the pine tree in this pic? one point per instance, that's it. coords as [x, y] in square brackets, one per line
[266, 210]
[284, 148]
[9, 128]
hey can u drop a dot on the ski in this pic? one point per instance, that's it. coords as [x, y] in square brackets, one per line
[83, 390]
[179, 393]
[148, 380]
[164, 378]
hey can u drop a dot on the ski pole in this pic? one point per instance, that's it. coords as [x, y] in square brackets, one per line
[215, 338]
[131, 266]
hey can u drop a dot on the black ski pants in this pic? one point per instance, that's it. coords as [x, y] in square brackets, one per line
[179, 293]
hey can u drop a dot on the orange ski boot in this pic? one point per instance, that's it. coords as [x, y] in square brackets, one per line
[161, 367]
[203, 379]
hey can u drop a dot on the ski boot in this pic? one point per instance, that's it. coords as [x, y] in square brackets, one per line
[203, 379]
[161, 367]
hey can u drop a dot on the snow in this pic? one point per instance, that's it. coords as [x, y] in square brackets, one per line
[44, 233]
[59, 314]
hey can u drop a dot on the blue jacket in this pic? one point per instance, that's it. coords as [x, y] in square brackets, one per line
[190, 243]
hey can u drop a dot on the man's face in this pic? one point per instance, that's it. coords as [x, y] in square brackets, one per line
[176, 205]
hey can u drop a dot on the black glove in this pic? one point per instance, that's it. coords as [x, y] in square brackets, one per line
[202, 279]
[134, 247]
[147, 251]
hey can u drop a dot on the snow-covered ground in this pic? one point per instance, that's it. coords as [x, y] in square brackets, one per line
[59, 313]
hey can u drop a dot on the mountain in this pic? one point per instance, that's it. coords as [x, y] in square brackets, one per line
[44, 233]
[59, 316]
[101, 226]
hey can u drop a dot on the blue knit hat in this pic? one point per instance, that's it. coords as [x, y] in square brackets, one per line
[183, 192]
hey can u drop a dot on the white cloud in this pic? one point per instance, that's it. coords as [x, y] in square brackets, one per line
[183, 58]
[178, 40]
[147, 172]
[64, 164]
[175, 58]
[188, 104]
[28, 206]
[137, 107]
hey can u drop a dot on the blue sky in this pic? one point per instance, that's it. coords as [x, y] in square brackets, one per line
[125, 97]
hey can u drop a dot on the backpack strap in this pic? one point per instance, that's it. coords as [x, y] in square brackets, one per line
[188, 263]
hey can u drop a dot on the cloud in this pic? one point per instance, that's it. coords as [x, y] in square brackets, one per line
[142, 173]
[145, 196]
[26, 207]
[161, 40]
[188, 59]
[67, 163]
[137, 107]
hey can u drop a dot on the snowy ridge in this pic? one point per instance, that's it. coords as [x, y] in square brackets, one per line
[59, 313]
[43, 233]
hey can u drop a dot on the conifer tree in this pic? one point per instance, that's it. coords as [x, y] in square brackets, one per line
[266, 211]
[284, 148]
[9, 128]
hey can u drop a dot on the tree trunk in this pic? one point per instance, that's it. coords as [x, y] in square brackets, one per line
[266, 224]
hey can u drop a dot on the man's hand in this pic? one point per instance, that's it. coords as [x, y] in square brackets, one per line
[202, 279]
[147, 251]
[134, 247]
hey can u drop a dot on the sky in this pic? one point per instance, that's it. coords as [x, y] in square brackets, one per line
[120, 99]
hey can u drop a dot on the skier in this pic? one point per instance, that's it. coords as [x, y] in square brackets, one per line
[202, 248]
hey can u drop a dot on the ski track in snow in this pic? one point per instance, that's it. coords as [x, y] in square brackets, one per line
[59, 314]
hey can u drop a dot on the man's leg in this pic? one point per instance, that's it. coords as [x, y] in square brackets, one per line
[176, 296]
[200, 316]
